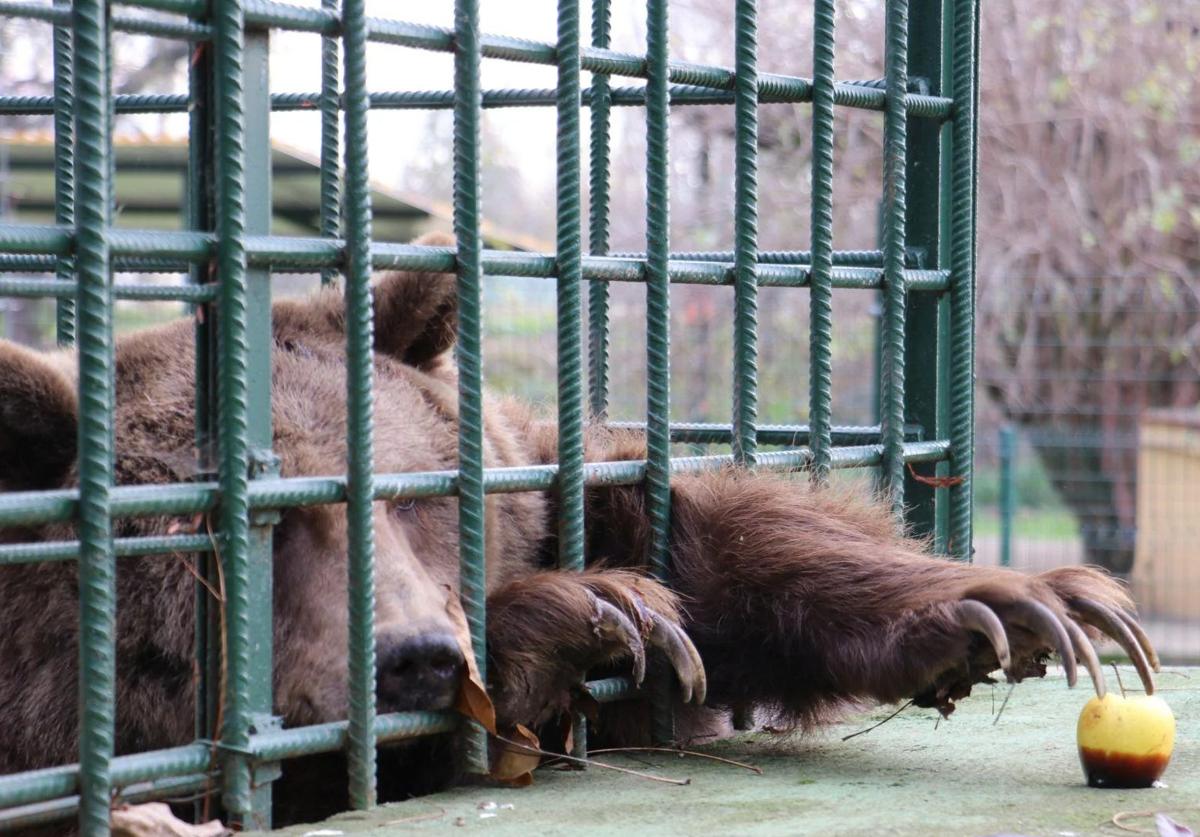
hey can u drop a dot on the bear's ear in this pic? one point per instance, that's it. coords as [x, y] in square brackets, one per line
[416, 314]
[38, 421]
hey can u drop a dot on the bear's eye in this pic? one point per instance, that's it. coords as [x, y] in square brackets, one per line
[404, 507]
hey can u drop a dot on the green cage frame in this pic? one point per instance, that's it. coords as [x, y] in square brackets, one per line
[925, 271]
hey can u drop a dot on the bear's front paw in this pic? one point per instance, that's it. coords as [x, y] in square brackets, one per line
[1016, 622]
[547, 631]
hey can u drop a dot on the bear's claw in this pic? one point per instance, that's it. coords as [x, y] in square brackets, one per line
[611, 625]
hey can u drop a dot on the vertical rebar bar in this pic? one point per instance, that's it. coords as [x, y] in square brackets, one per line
[97, 571]
[468, 104]
[962, 280]
[360, 737]
[820, 381]
[233, 427]
[745, 224]
[331, 186]
[598, 189]
[64, 169]
[895, 293]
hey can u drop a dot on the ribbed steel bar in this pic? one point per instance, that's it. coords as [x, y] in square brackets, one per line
[658, 293]
[962, 279]
[31, 507]
[467, 217]
[97, 576]
[569, 246]
[326, 738]
[568, 242]
[233, 424]
[360, 738]
[820, 376]
[894, 149]
[43, 551]
[66, 288]
[745, 231]
[294, 253]
[158, 27]
[331, 104]
[64, 167]
[56, 782]
[845, 95]
[658, 322]
[598, 196]
[43, 813]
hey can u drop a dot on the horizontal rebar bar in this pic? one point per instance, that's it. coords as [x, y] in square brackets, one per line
[33, 507]
[285, 252]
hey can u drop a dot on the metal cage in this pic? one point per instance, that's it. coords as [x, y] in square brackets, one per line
[924, 272]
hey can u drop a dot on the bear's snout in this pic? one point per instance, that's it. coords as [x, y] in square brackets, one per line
[419, 671]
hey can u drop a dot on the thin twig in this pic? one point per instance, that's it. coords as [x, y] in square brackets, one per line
[1117, 672]
[540, 752]
[876, 726]
[429, 815]
[220, 719]
[1117, 818]
[721, 759]
[1004, 703]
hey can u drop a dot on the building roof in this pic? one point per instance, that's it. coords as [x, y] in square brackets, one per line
[150, 187]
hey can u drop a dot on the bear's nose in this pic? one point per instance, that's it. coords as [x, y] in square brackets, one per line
[418, 672]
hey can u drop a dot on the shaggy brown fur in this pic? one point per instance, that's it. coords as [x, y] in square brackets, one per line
[798, 599]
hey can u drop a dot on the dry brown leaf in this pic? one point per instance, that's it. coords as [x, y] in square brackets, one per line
[154, 819]
[515, 765]
[473, 700]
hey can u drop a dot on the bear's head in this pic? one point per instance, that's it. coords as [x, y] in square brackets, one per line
[416, 542]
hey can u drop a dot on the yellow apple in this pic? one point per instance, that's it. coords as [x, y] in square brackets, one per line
[1125, 742]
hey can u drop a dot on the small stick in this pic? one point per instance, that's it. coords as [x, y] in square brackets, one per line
[1117, 672]
[881, 723]
[428, 815]
[540, 752]
[721, 759]
[1004, 703]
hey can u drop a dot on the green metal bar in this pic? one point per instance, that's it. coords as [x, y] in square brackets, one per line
[745, 230]
[97, 577]
[894, 150]
[65, 289]
[56, 782]
[233, 429]
[467, 216]
[43, 813]
[599, 161]
[259, 565]
[962, 287]
[658, 321]
[360, 739]
[569, 246]
[926, 221]
[658, 299]
[42, 551]
[330, 141]
[31, 507]
[64, 167]
[820, 380]
[1008, 493]
[845, 95]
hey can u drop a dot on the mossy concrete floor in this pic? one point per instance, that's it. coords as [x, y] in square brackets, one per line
[963, 776]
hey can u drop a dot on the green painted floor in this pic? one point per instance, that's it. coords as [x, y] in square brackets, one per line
[964, 776]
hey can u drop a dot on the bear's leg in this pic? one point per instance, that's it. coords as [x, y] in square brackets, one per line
[545, 631]
[804, 598]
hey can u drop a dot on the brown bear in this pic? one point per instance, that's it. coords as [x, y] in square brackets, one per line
[781, 595]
